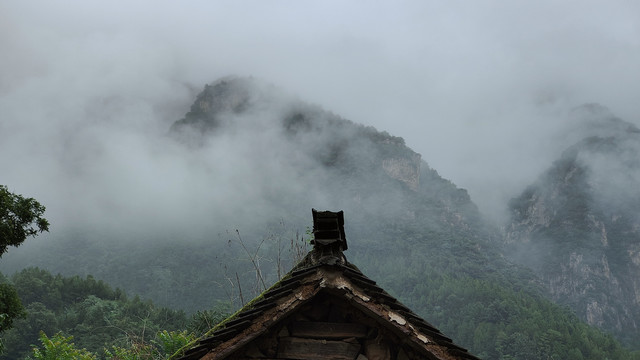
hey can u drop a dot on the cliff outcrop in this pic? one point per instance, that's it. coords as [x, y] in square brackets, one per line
[578, 226]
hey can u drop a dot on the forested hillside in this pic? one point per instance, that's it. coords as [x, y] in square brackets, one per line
[97, 316]
[419, 235]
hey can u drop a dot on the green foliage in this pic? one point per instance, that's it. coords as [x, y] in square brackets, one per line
[169, 342]
[19, 218]
[500, 323]
[10, 309]
[204, 320]
[10, 306]
[59, 347]
[95, 314]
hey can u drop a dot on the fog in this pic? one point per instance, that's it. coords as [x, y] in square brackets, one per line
[88, 91]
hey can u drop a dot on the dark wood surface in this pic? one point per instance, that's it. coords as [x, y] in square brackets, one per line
[328, 330]
[312, 349]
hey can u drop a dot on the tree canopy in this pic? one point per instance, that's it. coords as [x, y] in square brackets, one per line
[20, 218]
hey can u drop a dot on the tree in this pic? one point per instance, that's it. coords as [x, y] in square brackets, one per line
[10, 306]
[20, 218]
[10, 309]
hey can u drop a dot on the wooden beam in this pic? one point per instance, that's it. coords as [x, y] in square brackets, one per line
[311, 349]
[328, 330]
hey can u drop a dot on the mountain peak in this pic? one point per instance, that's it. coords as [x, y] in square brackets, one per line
[226, 96]
[593, 119]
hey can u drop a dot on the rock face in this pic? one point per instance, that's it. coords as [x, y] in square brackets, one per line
[578, 225]
[405, 169]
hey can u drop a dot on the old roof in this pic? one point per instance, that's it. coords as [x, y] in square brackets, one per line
[325, 308]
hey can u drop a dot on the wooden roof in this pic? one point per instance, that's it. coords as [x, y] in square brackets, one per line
[325, 308]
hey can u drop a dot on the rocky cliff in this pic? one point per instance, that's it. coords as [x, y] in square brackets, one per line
[578, 225]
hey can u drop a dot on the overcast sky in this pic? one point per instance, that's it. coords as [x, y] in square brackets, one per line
[476, 87]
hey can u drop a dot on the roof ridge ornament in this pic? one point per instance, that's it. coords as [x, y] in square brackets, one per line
[329, 239]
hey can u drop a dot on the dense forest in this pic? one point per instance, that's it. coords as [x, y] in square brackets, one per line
[100, 319]
[78, 318]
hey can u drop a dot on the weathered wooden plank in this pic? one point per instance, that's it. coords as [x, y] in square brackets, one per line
[328, 330]
[312, 349]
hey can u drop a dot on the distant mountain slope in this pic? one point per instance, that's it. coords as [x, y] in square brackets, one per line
[351, 165]
[275, 157]
[578, 225]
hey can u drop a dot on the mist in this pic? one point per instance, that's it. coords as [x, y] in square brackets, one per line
[88, 92]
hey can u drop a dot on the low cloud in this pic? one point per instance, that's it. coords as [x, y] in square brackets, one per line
[89, 91]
